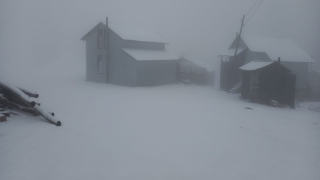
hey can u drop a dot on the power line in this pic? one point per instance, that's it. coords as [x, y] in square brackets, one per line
[254, 12]
[252, 7]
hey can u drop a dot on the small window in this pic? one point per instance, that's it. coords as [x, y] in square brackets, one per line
[99, 63]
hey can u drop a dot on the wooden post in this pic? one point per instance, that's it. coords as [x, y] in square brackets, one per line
[238, 38]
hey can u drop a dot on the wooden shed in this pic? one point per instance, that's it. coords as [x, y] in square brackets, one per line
[266, 81]
[251, 48]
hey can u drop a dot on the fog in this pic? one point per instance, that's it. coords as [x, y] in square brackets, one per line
[167, 132]
[45, 30]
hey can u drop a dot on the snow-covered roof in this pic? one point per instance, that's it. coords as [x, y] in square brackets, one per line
[231, 51]
[150, 55]
[131, 33]
[254, 65]
[284, 48]
[200, 63]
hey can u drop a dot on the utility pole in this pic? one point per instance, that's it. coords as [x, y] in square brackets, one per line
[235, 55]
[238, 38]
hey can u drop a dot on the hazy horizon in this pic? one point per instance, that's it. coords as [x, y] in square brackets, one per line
[200, 29]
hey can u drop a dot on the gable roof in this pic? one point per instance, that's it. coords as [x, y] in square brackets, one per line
[130, 33]
[284, 48]
[254, 65]
[96, 26]
[150, 55]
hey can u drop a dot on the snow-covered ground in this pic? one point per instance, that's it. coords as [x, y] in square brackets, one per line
[166, 132]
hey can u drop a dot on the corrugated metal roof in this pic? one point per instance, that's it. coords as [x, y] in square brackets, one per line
[254, 65]
[150, 55]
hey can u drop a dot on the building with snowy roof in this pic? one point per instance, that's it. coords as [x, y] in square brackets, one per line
[195, 71]
[267, 49]
[265, 82]
[128, 56]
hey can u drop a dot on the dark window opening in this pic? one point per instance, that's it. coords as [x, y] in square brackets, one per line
[99, 63]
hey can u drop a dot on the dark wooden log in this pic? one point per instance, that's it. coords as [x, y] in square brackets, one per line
[17, 106]
[21, 102]
[24, 98]
[47, 116]
[5, 113]
[15, 94]
[3, 118]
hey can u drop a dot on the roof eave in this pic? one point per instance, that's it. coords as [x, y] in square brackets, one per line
[84, 37]
[143, 41]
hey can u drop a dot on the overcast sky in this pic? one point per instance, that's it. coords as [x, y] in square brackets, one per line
[200, 28]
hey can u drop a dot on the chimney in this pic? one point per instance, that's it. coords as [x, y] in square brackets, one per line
[279, 60]
[237, 34]
[107, 21]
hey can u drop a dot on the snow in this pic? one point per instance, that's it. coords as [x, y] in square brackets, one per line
[201, 63]
[130, 33]
[254, 65]
[312, 106]
[231, 51]
[135, 33]
[278, 47]
[166, 132]
[15, 90]
[150, 55]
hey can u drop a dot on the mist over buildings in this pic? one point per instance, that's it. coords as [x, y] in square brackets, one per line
[44, 30]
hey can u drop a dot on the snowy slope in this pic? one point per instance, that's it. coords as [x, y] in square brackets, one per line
[167, 132]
